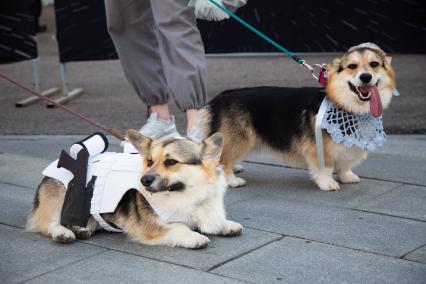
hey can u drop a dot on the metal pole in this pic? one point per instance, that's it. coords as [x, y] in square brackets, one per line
[64, 79]
[36, 73]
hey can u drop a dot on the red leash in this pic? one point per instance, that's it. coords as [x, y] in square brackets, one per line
[112, 131]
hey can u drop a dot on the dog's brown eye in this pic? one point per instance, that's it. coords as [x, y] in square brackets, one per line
[374, 64]
[352, 66]
[149, 162]
[170, 162]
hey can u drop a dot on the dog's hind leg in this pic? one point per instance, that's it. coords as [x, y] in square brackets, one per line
[232, 153]
[137, 218]
[46, 214]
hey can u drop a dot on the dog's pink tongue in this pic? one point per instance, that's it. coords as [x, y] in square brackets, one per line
[376, 107]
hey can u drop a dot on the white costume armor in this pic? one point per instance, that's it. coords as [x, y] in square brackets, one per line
[116, 173]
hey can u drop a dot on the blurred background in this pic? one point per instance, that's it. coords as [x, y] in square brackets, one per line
[65, 44]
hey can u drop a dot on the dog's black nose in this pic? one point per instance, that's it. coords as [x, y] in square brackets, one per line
[147, 180]
[365, 78]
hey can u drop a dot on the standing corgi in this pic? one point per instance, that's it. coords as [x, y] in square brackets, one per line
[282, 120]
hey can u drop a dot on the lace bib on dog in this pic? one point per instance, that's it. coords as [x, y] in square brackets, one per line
[363, 131]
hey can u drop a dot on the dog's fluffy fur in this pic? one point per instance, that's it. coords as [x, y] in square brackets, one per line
[184, 177]
[283, 119]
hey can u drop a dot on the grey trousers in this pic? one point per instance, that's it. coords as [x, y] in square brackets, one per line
[160, 49]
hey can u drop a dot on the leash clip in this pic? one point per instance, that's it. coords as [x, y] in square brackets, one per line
[322, 73]
[312, 68]
[303, 62]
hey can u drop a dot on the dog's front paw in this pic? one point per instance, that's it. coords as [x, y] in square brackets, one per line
[236, 182]
[328, 184]
[61, 234]
[348, 177]
[231, 229]
[194, 241]
[180, 235]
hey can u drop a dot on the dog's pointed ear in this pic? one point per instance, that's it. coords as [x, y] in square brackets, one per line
[212, 147]
[139, 141]
[388, 60]
[334, 65]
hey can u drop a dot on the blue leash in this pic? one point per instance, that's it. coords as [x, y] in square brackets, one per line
[268, 39]
[259, 33]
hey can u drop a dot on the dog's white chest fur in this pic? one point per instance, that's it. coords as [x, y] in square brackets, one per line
[116, 173]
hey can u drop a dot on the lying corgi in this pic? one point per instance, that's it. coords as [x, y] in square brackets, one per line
[178, 177]
[360, 85]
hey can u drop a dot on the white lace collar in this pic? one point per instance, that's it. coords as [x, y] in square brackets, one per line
[363, 131]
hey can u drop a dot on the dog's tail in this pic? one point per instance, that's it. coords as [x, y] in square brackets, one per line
[205, 122]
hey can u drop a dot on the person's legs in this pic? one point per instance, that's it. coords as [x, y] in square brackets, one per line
[132, 29]
[131, 26]
[182, 55]
[192, 117]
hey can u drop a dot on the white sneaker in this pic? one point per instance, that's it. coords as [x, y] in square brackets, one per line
[158, 129]
[195, 135]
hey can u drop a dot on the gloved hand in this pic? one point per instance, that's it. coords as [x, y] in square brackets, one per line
[206, 10]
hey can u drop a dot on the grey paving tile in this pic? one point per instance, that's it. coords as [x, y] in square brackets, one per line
[418, 255]
[234, 195]
[404, 145]
[395, 168]
[360, 230]
[295, 185]
[35, 146]
[25, 255]
[406, 201]
[218, 251]
[116, 267]
[296, 261]
[15, 204]
[21, 170]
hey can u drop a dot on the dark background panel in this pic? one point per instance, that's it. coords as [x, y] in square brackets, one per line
[322, 26]
[81, 31]
[299, 25]
[17, 30]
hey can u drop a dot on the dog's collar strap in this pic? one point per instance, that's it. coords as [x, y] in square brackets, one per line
[362, 131]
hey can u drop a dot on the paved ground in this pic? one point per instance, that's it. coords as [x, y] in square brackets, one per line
[373, 232]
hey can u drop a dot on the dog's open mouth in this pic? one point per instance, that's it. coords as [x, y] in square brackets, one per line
[363, 92]
[369, 93]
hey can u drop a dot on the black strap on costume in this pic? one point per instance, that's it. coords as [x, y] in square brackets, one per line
[76, 208]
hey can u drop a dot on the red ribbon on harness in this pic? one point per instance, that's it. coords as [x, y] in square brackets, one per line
[322, 77]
